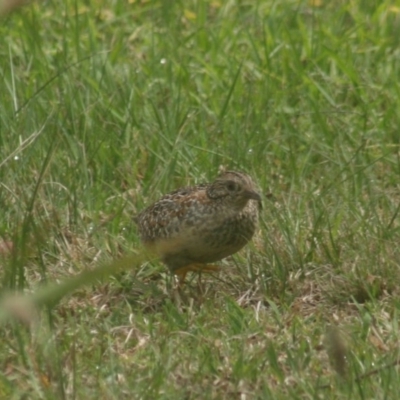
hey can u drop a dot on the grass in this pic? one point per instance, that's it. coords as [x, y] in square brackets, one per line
[106, 105]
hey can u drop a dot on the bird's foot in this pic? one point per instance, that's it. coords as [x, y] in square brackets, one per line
[200, 268]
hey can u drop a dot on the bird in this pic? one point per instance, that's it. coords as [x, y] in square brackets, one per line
[194, 226]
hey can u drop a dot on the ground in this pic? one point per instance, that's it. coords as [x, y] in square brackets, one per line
[107, 105]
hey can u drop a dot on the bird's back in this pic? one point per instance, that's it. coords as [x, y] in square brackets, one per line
[166, 217]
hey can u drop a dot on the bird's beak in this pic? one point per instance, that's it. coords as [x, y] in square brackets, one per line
[250, 194]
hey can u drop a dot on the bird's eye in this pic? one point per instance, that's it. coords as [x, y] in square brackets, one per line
[231, 186]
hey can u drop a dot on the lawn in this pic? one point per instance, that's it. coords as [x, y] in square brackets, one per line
[106, 105]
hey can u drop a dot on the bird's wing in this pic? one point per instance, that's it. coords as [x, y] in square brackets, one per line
[165, 218]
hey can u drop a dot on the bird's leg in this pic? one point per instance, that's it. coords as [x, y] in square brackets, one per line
[181, 279]
[199, 284]
[181, 274]
[200, 268]
[178, 295]
[204, 268]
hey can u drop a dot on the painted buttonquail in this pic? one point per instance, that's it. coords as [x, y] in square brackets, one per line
[197, 225]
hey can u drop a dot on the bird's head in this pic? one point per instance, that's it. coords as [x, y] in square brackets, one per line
[234, 187]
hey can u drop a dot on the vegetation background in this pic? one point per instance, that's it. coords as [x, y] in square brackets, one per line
[105, 105]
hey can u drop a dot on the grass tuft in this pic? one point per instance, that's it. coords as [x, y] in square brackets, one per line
[107, 105]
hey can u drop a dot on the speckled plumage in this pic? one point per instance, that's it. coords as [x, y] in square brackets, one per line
[201, 224]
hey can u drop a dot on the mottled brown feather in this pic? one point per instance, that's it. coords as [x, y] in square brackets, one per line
[202, 224]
